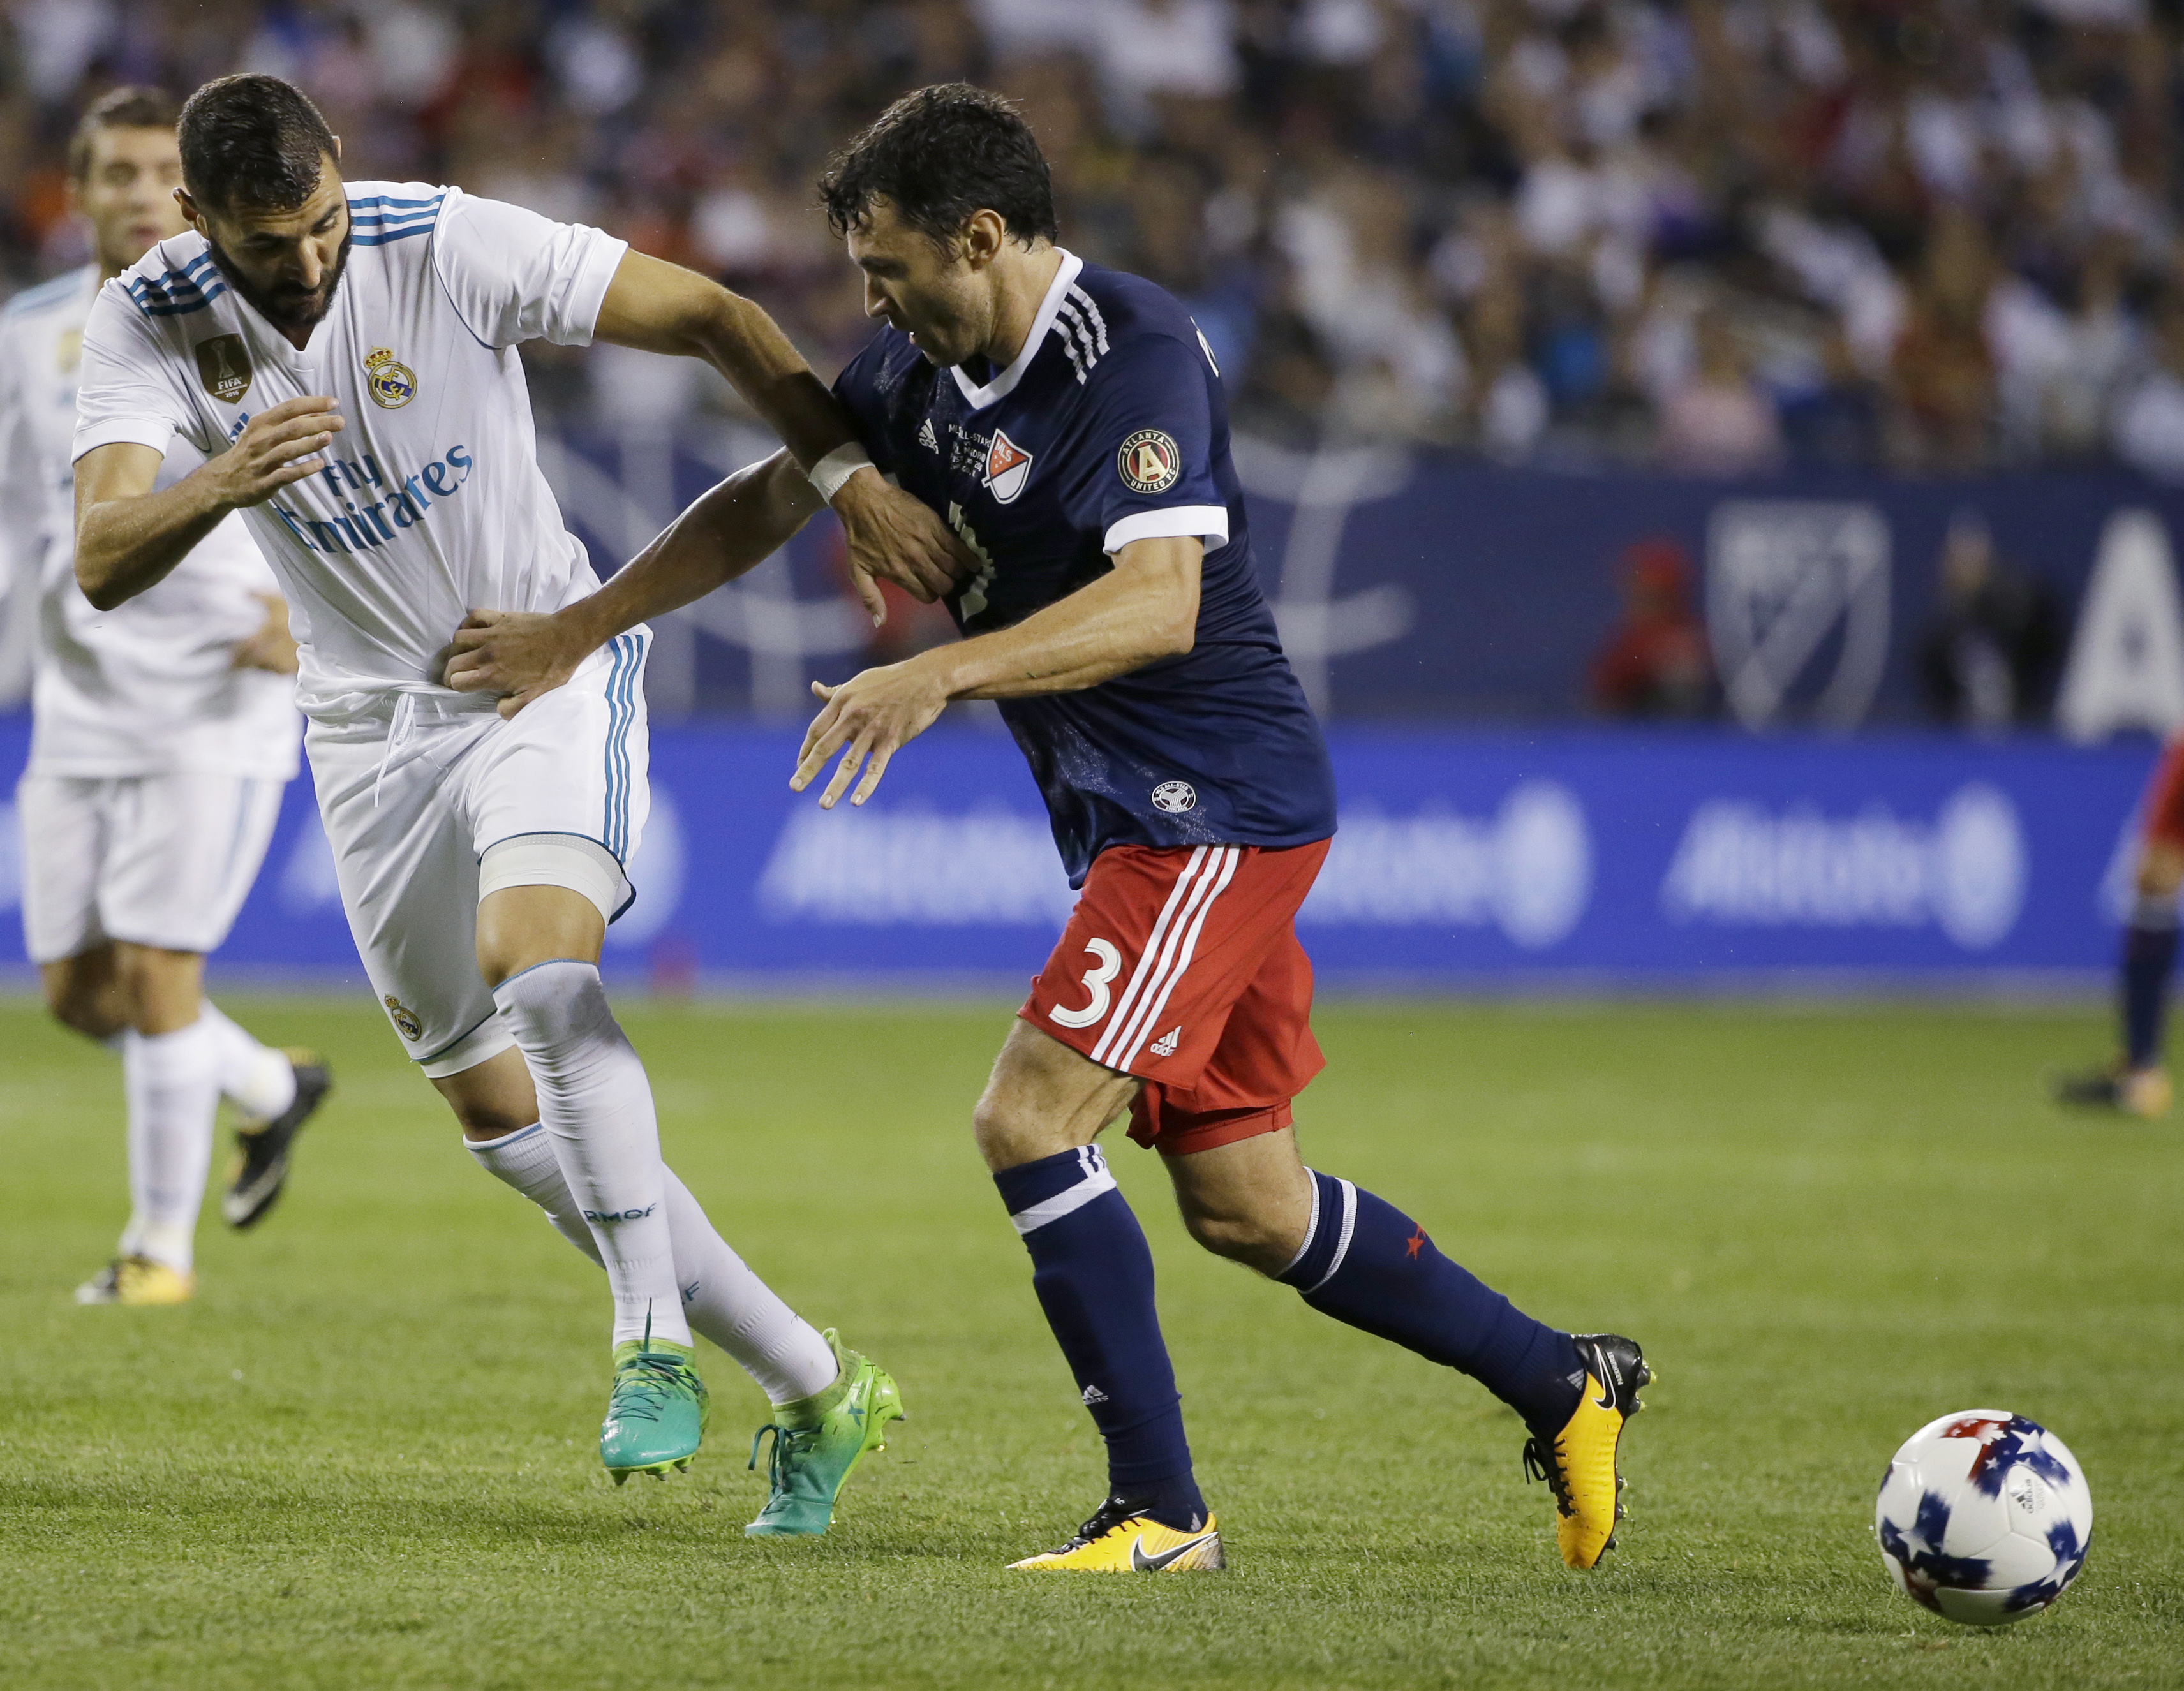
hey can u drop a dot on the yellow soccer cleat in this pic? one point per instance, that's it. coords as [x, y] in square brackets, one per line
[1579, 1465]
[2145, 1093]
[139, 1283]
[1118, 1540]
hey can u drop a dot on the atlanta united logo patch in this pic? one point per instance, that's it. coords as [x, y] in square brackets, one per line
[1174, 797]
[405, 1018]
[224, 367]
[1008, 467]
[390, 384]
[1149, 462]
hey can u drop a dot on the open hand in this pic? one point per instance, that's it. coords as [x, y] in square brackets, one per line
[519, 654]
[874, 713]
[898, 537]
[272, 647]
[281, 444]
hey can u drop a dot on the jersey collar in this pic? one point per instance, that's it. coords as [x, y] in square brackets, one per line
[1005, 384]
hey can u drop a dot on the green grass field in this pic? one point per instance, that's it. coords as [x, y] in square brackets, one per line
[365, 1456]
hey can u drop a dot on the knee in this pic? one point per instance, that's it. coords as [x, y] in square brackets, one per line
[483, 1119]
[90, 1012]
[2160, 871]
[1242, 1235]
[1005, 1136]
[159, 990]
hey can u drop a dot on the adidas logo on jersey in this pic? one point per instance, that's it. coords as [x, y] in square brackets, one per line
[1093, 1395]
[1165, 1045]
[925, 436]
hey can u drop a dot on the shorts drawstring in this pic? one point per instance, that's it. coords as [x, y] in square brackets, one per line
[399, 733]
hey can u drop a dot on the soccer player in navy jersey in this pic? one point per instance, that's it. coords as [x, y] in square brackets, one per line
[1069, 423]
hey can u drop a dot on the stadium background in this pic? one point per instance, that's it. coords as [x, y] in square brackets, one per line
[1680, 439]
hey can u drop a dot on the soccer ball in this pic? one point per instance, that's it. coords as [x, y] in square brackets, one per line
[1984, 1517]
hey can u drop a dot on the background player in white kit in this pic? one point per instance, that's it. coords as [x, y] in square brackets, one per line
[347, 355]
[162, 733]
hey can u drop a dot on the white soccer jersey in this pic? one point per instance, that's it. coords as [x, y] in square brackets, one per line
[432, 502]
[151, 687]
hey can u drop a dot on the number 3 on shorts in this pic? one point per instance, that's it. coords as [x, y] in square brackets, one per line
[1095, 983]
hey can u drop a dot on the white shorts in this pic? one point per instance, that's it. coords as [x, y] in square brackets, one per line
[416, 789]
[155, 859]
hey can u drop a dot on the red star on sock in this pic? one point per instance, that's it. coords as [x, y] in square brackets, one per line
[1411, 1244]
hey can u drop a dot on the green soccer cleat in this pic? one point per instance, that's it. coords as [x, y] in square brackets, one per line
[656, 1412]
[818, 1441]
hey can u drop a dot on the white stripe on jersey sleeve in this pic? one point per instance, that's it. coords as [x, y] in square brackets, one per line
[1208, 523]
[127, 390]
[513, 276]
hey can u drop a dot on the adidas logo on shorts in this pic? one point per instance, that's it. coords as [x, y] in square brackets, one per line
[1093, 1395]
[1165, 1045]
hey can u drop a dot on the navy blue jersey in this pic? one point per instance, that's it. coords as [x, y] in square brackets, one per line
[1110, 427]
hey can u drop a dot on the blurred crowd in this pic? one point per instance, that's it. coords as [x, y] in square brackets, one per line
[1716, 235]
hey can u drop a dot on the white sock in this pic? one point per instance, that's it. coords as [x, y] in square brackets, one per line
[596, 1105]
[173, 1085]
[260, 1081]
[721, 1298]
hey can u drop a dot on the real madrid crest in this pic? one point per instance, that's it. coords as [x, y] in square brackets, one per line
[1150, 462]
[390, 384]
[405, 1018]
[224, 367]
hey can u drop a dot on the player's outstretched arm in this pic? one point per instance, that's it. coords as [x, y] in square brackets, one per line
[731, 528]
[128, 537]
[661, 308]
[1143, 609]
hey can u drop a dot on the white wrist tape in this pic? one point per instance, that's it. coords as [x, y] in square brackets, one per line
[839, 465]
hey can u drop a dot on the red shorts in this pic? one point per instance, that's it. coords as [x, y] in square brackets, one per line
[2162, 821]
[1181, 966]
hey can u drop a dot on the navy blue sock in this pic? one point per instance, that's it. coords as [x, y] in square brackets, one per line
[1093, 1275]
[2149, 957]
[1367, 1263]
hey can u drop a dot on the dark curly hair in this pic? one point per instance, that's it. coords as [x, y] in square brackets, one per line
[939, 156]
[252, 141]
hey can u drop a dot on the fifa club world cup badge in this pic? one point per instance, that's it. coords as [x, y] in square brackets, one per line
[405, 1019]
[1150, 462]
[390, 384]
[224, 367]
[1008, 467]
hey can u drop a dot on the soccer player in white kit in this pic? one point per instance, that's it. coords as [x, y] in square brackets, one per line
[162, 733]
[347, 355]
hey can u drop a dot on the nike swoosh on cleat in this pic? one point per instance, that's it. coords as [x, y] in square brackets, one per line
[1602, 1367]
[1142, 1563]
